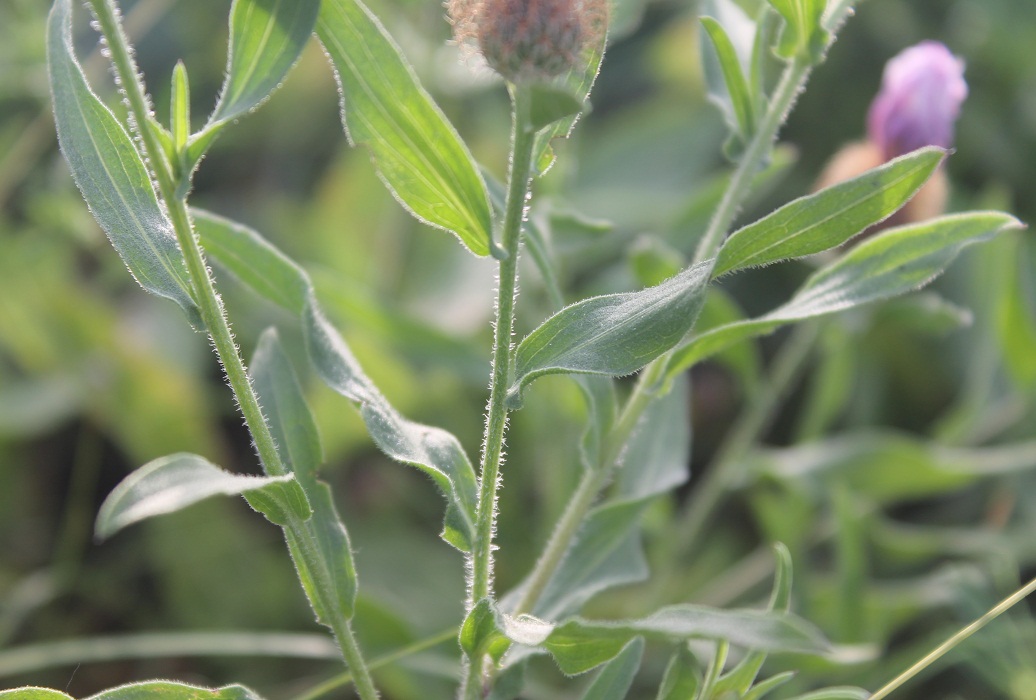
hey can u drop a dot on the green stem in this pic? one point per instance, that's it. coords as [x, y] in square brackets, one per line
[210, 308]
[792, 80]
[392, 657]
[934, 655]
[590, 486]
[723, 472]
[523, 140]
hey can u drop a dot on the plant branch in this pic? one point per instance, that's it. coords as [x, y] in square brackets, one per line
[216, 323]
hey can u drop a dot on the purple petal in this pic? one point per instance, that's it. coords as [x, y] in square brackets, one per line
[920, 98]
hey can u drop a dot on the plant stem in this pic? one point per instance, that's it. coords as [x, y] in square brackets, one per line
[523, 139]
[791, 83]
[590, 485]
[792, 80]
[930, 658]
[343, 679]
[210, 308]
[723, 472]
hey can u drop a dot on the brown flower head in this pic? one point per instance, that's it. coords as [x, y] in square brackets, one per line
[529, 40]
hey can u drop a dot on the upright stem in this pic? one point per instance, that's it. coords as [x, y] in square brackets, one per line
[216, 323]
[793, 79]
[523, 140]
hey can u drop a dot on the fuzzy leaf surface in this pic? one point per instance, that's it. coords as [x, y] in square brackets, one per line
[829, 218]
[739, 96]
[171, 483]
[415, 150]
[110, 174]
[172, 690]
[892, 263]
[579, 645]
[615, 334]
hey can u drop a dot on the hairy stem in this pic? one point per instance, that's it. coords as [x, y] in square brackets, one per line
[210, 308]
[523, 139]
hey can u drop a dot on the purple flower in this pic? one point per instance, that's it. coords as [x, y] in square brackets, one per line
[920, 98]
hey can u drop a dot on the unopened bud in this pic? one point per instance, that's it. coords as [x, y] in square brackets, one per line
[529, 40]
[921, 94]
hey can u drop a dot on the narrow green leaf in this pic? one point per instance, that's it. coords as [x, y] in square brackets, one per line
[172, 690]
[780, 597]
[432, 450]
[738, 36]
[111, 175]
[734, 78]
[171, 483]
[837, 693]
[892, 263]
[616, 678]
[602, 407]
[682, 677]
[266, 39]
[480, 635]
[579, 645]
[32, 693]
[761, 688]
[616, 334]
[180, 108]
[274, 276]
[415, 150]
[284, 406]
[831, 217]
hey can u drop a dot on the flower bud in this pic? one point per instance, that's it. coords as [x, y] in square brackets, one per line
[921, 94]
[529, 40]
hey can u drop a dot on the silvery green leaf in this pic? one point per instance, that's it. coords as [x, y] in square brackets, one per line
[579, 645]
[615, 334]
[168, 484]
[173, 690]
[829, 218]
[111, 175]
[415, 150]
[266, 39]
[894, 262]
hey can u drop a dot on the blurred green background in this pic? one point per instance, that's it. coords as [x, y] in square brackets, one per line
[97, 378]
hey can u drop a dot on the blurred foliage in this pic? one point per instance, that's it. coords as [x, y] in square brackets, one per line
[97, 378]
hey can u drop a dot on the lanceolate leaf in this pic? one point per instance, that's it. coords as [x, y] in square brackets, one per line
[171, 690]
[438, 453]
[169, 484]
[830, 217]
[615, 679]
[741, 102]
[579, 645]
[33, 694]
[432, 450]
[111, 175]
[415, 150]
[893, 263]
[616, 334]
[266, 38]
